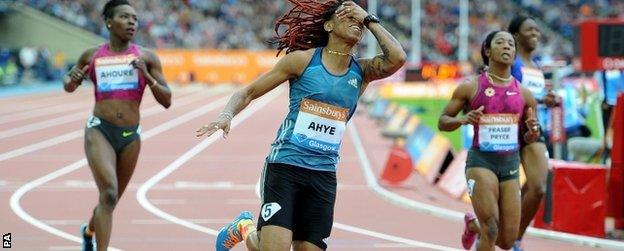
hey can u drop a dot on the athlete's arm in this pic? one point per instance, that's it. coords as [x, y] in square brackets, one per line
[532, 131]
[290, 66]
[74, 77]
[152, 70]
[393, 56]
[449, 121]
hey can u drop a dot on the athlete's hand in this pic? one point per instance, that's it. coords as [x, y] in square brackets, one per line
[532, 124]
[76, 75]
[222, 123]
[473, 116]
[140, 64]
[551, 99]
[350, 9]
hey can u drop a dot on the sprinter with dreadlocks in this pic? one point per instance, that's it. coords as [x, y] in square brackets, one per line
[325, 82]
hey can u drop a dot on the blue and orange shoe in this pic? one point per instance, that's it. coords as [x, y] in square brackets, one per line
[87, 241]
[232, 234]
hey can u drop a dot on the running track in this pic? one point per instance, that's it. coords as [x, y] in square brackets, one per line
[185, 188]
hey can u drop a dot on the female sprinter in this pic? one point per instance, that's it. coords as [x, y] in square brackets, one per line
[497, 105]
[534, 156]
[119, 70]
[325, 81]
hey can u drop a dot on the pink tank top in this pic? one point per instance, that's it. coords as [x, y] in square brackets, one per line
[114, 77]
[499, 127]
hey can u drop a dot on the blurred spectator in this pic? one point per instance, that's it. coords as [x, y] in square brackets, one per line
[43, 65]
[27, 59]
[592, 150]
[8, 67]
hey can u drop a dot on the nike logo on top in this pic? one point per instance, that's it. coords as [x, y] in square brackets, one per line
[126, 133]
[512, 172]
[510, 93]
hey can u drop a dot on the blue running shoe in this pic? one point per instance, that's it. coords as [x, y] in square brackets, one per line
[517, 246]
[231, 235]
[87, 241]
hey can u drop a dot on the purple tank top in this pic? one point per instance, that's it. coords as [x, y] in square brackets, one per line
[114, 77]
[499, 127]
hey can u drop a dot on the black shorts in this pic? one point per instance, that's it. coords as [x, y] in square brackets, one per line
[504, 166]
[299, 199]
[118, 136]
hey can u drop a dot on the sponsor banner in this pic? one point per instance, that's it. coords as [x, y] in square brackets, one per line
[215, 66]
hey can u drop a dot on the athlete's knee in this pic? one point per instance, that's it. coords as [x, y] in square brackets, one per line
[505, 245]
[507, 237]
[491, 228]
[109, 197]
[536, 189]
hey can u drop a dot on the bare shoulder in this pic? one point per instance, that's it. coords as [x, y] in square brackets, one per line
[299, 57]
[467, 87]
[86, 55]
[295, 62]
[148, 53]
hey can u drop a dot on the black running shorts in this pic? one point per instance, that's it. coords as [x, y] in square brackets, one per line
[298, 199]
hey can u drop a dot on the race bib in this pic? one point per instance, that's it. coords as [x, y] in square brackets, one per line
[319, 126]
[498, 132]
[533, 79]
[115, 73]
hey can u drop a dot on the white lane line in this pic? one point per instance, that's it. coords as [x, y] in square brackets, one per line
[444, 213]
[166, 222]
[79, 133]
[36, 104]
[44, 111]
[412, 243]
[69, 118]
[43, 124]
[64, 248]
[141, 194]
[20, 192]
[61, 108]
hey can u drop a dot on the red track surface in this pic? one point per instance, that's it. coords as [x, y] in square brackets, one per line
[206, 190]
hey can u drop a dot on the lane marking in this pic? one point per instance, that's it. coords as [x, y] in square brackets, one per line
[65, 107]
[167, 222]
[141, 194]
[20, 192]
[79, 133]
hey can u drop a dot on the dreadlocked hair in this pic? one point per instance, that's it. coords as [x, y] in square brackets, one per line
[305, 22]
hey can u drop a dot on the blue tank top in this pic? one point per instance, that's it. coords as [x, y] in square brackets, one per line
[320, 106]
[533, 79]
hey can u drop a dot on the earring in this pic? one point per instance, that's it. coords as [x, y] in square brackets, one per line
[108, 26]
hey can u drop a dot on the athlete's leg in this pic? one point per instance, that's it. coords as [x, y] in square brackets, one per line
[535, 164]
[305, 246]
[253, 241]
[126, 162]
[102, 160]
[484, 195]
[509, 207]
[275, 238]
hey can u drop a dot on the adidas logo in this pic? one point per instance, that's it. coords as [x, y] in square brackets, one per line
[353, 82]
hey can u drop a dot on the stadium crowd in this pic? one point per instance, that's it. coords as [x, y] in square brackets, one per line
[234, 24]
